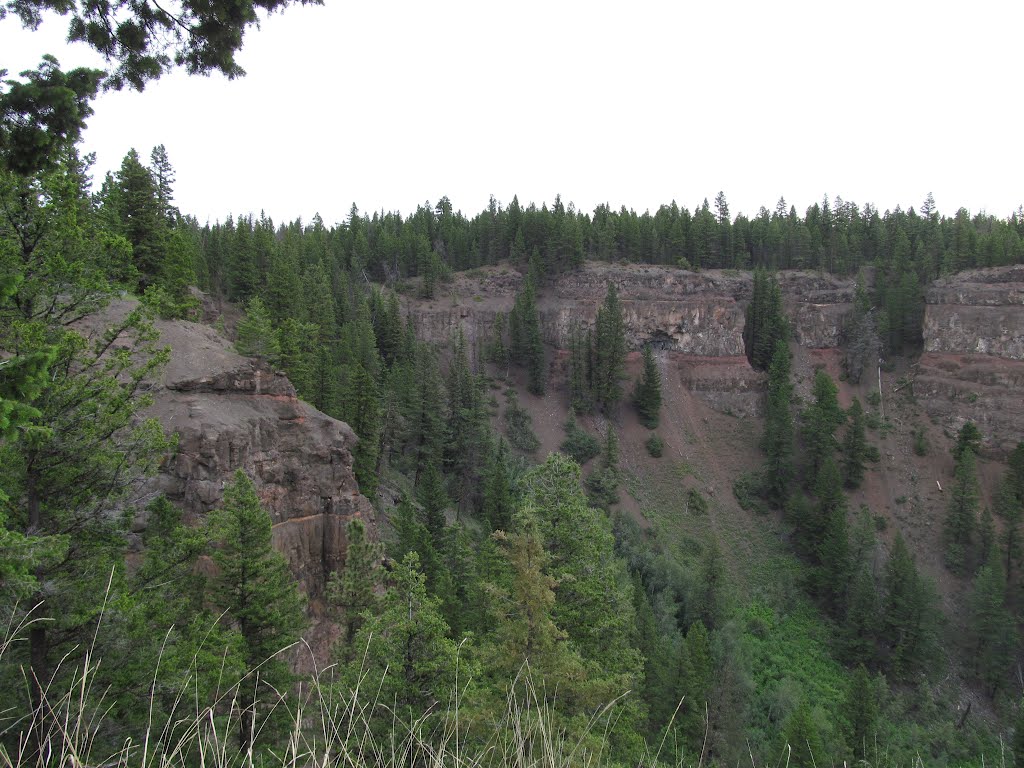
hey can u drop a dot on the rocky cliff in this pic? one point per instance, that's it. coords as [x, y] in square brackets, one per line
[973, 362]
[696, 318]
[231, 412]
[694, 313]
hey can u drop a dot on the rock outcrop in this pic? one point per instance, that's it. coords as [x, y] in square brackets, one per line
[973, 364]
[694, 313]
[231, 412]
[695, 316]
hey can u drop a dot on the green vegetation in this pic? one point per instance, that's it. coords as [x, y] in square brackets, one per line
[647, 395]
[519, 613]
[579, 444]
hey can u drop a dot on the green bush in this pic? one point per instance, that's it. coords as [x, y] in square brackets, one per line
[655, 446]
[920, 442]
[749, 492]
[519, 427]
[696, 504]
[579, 444]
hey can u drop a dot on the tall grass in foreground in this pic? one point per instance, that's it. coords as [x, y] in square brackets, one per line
[327, 727]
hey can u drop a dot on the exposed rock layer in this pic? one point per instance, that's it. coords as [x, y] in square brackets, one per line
[973, 330]
[973, 364]
[231, 412]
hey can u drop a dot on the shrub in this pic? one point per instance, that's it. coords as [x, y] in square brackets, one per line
[579, 444]
[519, 426]
[749, 492]
[655, 446]
[920, 442]
[696, 504]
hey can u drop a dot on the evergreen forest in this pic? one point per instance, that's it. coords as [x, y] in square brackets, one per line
[509, 610]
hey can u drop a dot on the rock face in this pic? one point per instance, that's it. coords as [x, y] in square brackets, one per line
[693, 313]
[695, 316]
[231, 412]
[977, 312]
[973, 364]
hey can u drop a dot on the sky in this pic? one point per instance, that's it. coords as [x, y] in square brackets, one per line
[392, 103]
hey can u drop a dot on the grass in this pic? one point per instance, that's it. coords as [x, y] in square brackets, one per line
[329, 727]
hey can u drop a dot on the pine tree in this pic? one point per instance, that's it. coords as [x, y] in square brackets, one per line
[831, 542]
[859, 641]
[141, 217]
[800, 734]
[968, 438]
[709, 597]
[609, 351]
[354, 588]
[360, 409]
[527, 345]
[908, 613]
[603, 483]
[498, 505]
[433, 498]
[406, 655]
[854, 447]
[861, 712]
[961, 519]
[581, 394]
[698, 684]
[256, 334]
[777, 441]
[647, 396]
[993, 630]
[258, 594]
[163, 177]
[820, 421]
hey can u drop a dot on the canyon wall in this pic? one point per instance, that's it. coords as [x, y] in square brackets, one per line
[972, 367]
[232, 412]
[695, 318]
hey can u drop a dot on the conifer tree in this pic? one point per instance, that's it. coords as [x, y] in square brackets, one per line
[647, 396]
[609, 351]
[256, 591]
[406, 654]
[141, 217]
[777, 441]
[581, 395]
[708, 600]
[861, 712]
[353, 589]
[859, 641]
[992, 628]
[820, 421]
[1010, 510]
[854, 447]
[527, 345]
[831, 539]
[163, 178]
[256, 334]
[498, 506]
[360, 409]
[698, 683]
[908, 613]
[800, 734]
[433, 498]
[968, 438]
[961, 518]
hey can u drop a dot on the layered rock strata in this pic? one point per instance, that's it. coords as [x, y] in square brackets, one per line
[231, 412]
[973, 364]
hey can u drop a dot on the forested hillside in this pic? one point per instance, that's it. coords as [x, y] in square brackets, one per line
[501, 574]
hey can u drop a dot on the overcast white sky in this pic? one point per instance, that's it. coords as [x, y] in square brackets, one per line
[390, 103]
